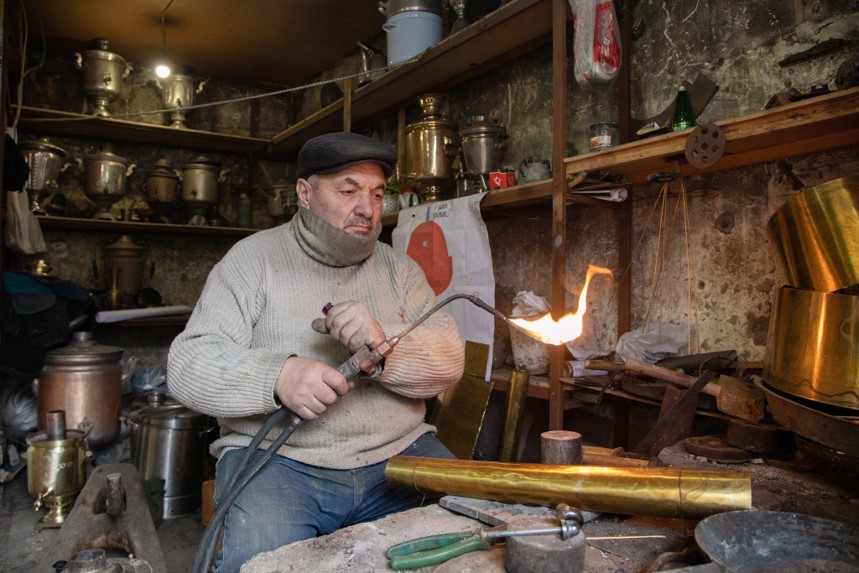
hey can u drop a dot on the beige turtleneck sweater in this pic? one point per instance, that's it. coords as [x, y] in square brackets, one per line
[256, 310]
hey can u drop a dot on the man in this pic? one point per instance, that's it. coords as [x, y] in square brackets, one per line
[249, 347]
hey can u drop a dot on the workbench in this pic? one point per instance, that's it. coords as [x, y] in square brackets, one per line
[361, 548]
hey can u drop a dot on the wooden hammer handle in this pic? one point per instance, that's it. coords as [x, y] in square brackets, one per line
[667, 375]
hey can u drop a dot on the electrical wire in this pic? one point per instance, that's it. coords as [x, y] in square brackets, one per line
[216, 103]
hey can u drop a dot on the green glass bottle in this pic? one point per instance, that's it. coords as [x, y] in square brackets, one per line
[684, 117]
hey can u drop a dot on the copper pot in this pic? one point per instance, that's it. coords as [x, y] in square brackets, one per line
[83, 378]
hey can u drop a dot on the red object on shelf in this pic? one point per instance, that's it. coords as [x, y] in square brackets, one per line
[502, 179]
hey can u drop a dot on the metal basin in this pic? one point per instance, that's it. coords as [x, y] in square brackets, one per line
[837, 432]
[815, 236]
[759, 541]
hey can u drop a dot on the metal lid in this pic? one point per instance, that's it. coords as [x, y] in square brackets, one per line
[163, 168]
[124, 242]
[479, 125]
[42, 145]
[397, 6]
[169, 414]
[83, 350]
[106, 155]
[102, 47]
[203, 162]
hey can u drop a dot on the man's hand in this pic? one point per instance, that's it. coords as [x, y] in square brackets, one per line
[308, 387]
[351, 324]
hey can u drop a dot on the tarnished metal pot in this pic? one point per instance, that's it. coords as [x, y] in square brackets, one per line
[102, 75]
[162, 183]
[105, 178]
[431, 145]
[123, 267]
[813, 346]
[83, 378]
[45, 162]
[815, 236]
[168, 442]
[483, 145]
[200, 181]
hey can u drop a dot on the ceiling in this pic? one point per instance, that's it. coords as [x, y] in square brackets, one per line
[286, 42]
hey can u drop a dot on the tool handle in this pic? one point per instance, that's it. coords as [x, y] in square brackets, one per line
[433, 550]
[667, 375]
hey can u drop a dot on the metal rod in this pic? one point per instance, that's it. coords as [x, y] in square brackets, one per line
[115, 499]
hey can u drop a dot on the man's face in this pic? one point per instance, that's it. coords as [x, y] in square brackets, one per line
[350, 199]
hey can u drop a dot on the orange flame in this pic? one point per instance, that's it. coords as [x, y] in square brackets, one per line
[569, 327]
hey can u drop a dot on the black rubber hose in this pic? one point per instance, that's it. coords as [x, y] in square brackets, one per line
[208, 543]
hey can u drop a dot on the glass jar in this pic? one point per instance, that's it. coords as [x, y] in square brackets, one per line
[604, 134]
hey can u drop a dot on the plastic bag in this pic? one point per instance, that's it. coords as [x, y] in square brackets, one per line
[23, 233]
[529, 354]
[596, 42]
[654, 342]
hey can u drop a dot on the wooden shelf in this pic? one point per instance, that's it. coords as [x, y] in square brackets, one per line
[74, 224]
[817, 124]
[510, 31]
[532, 192]
[68, 124]
[538, 387]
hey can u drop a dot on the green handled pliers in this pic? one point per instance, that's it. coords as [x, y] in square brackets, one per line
[435, 549]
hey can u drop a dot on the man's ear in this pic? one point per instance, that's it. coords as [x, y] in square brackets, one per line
[303, 189]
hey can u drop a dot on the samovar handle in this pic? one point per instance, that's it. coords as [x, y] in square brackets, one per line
[202, 85]
[79, 61]
[130, 169]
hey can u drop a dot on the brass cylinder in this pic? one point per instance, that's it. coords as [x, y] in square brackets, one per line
[653, 492]
[56, 466]
[815, 236]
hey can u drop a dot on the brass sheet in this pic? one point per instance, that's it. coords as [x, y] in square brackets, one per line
[815, 236]
[813, 346]
[654, 492]
[459, 413]
[516, 395]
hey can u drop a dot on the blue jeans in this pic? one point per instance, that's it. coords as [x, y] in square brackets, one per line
[288, 501]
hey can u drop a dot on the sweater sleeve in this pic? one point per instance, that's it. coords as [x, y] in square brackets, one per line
[430, 358]
[212, 367]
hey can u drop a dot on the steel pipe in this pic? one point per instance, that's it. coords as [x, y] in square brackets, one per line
[654, 492]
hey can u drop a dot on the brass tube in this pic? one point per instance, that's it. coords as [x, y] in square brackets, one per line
[654, 492]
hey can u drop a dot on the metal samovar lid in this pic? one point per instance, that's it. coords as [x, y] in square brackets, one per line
[83, 350]
[42, 144]
[479, 125]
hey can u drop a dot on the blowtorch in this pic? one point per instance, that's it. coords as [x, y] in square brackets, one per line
[365, 361]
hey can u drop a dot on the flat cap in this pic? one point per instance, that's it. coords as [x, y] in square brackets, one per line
[332, 152]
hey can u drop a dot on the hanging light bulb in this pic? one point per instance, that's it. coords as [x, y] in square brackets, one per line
[162, 69]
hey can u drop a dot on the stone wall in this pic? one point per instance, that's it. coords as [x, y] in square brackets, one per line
[731, 275]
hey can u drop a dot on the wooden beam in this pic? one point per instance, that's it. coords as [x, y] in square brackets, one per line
[560, 17]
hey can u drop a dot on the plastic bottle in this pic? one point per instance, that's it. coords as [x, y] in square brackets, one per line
[684, 116]
[243, 210]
